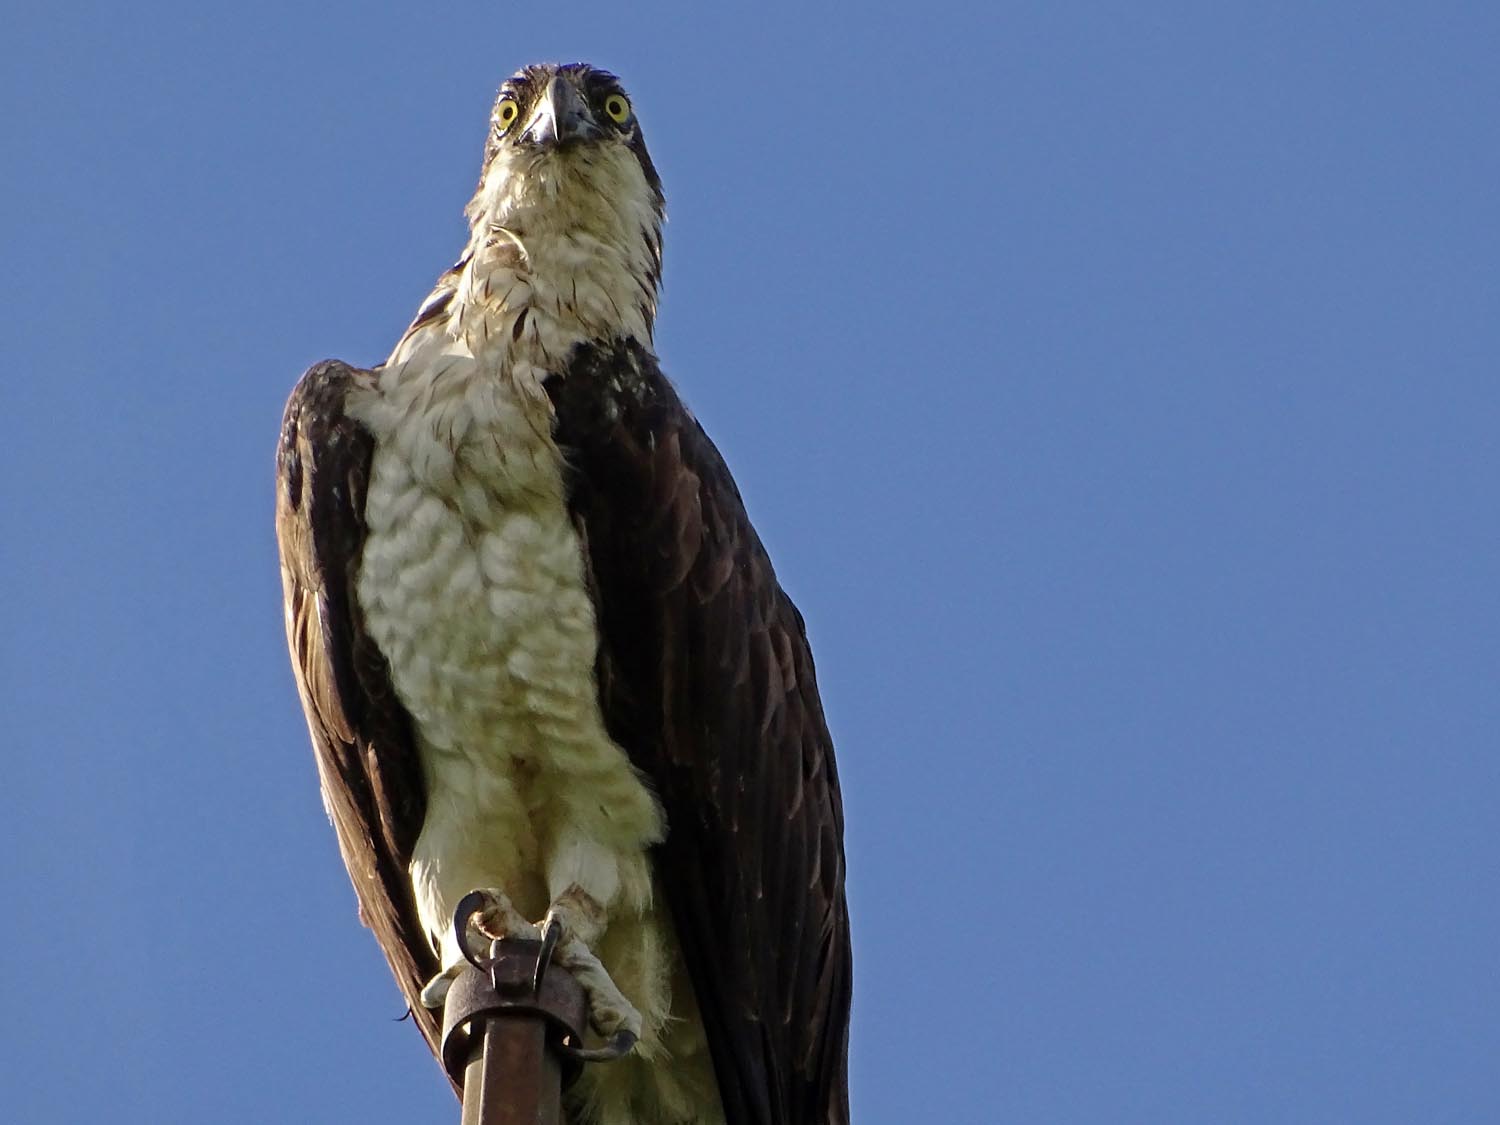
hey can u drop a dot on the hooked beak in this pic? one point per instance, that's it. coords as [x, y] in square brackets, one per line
[561, 115]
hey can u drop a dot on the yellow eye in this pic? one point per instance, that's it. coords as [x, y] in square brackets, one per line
[618, 108]
[506, 113]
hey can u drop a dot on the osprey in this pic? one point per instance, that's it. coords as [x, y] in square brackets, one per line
[543, 654]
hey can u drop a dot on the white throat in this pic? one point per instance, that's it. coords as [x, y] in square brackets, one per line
[561, 252]
[563, 248]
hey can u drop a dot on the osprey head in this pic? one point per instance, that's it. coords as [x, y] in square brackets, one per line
[565, 160]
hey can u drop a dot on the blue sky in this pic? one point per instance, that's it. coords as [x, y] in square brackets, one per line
[1113, 384]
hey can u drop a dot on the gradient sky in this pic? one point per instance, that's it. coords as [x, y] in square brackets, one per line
[1114, 385]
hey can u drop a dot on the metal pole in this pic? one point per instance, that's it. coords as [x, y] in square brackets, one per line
[512, 1078]
[507, 1045]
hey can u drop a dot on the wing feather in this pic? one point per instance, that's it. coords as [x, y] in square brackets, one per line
[362, 737]
[707, 681]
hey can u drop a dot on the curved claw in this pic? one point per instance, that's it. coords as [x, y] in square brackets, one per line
[468, 906]
[552, 932]
[619, 1045]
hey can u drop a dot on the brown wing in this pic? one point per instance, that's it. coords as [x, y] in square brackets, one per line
[367, 761]
[707, 682]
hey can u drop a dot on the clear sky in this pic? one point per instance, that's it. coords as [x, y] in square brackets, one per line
[1114, 385]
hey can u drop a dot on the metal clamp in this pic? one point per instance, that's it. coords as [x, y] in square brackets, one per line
[511, 983]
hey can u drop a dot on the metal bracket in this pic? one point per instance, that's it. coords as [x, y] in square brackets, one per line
[504, 990]
[513, 1033]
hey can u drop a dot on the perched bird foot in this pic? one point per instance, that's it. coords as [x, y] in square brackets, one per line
[486, 916]
[482, 917]
[489, 916]
[435, 991]
[611, 1014]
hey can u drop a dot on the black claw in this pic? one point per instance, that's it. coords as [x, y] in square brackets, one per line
[619, 1045]
[552, 930]
[468, 906]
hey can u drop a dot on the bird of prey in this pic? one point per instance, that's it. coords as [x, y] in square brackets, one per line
[543, 654]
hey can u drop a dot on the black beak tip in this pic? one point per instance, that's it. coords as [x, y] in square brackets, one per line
[561, 117]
